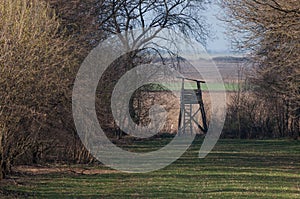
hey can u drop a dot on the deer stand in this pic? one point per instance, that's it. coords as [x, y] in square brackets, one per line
[191, 105]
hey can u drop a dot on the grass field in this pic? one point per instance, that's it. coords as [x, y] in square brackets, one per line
[235, 169]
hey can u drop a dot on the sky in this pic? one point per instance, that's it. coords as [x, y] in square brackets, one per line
[220, 43]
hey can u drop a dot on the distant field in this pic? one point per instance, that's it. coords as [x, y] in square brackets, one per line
[204, 87]
[235, 169]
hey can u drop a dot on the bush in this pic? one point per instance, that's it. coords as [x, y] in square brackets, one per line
[37, 69]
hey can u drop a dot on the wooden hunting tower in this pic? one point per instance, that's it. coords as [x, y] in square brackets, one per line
[191, 105]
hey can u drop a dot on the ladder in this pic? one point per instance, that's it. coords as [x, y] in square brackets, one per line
[191, 104]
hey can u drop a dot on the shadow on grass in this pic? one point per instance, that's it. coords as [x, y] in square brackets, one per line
[234, 169]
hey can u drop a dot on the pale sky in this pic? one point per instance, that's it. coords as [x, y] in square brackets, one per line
[220, 43]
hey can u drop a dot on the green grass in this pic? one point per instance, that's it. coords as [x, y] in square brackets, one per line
[234, 169]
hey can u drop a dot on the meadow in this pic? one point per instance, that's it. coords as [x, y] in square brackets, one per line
[234, 169]
[174, 86]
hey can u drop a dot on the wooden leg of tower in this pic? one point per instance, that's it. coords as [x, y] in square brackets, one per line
[180, 122]
[190, 119]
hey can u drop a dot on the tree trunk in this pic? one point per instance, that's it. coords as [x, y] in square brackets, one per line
[3, 169]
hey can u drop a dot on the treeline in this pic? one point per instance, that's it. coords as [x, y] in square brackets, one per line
[269, 32]
[40, 54]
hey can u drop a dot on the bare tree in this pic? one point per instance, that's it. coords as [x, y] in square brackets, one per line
[150, 18]
[36, 70]
[124, 16]
[269, 31]
[80, 20]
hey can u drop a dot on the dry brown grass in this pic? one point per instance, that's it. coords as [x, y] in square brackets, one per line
[38, 170]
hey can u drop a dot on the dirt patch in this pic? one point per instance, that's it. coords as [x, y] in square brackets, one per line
[36, 170]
